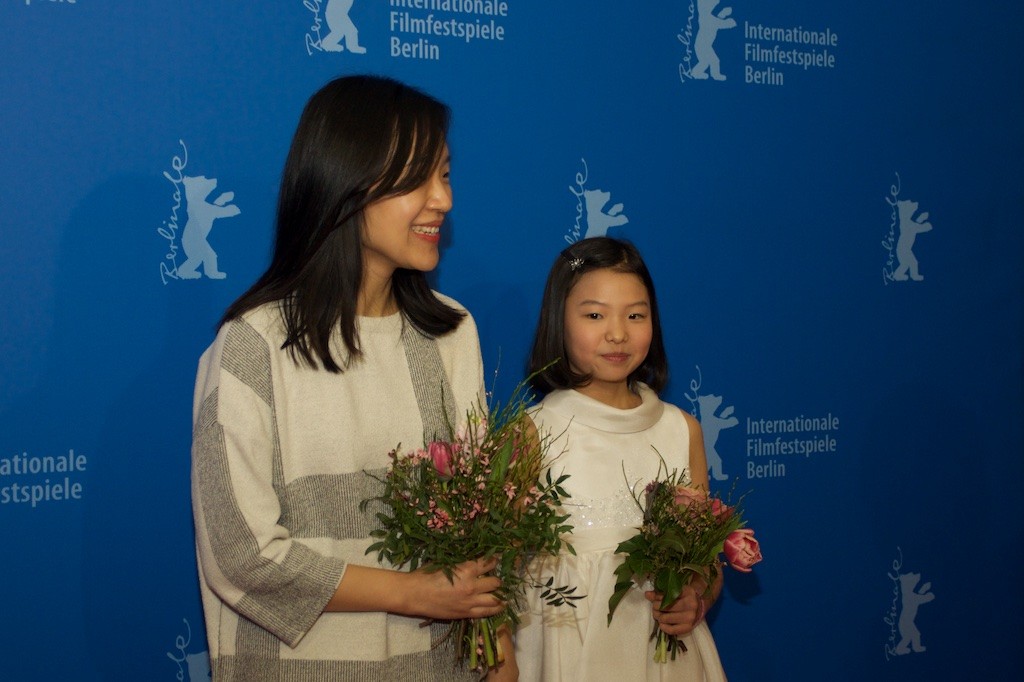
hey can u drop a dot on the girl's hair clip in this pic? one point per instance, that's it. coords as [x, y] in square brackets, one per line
[575, 262]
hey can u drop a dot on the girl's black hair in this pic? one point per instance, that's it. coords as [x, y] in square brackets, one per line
[359, 139]
[548, 366]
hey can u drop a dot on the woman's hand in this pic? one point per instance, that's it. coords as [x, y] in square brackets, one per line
[421, 593]
[468, 595]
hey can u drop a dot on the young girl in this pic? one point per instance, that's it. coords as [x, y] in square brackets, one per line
[336, 355]
[599, 325]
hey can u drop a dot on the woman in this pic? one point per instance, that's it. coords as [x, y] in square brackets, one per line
[339, 353]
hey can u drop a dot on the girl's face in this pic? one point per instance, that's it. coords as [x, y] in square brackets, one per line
[404, 231]
[608, 330]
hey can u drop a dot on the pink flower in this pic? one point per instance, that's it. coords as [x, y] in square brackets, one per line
[741, 549]
[686, 496]
[440, 520]
[441, 455]
[719, 509]
[473, 432]
[475, 511]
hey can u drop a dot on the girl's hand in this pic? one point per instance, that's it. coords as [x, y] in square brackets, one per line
[468, 595]
[682, 615]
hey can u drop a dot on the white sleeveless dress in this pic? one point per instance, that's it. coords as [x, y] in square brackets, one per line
[605, 451]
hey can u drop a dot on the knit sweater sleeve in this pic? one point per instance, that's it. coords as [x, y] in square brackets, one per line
[247, 557]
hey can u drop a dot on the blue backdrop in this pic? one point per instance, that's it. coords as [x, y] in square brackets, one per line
[829, 196]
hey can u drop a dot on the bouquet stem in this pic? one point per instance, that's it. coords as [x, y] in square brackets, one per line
[666, 646]
[488, 644]
[481, 645]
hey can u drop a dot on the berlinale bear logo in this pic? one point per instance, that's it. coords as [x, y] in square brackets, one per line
[201, 214]
[593, 215]
[705, 406]
[192, 666]
[910, 227]
[901, 263]
[709, 23]
[907, 598]
[194, 239]
[342, 32]
[598, 220]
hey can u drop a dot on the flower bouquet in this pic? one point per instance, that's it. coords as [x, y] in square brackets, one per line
[479, 495]
[684, 530]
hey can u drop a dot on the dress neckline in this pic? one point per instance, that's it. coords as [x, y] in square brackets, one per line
[587, 411]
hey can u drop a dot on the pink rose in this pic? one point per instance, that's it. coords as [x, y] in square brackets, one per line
[441, 456]
[741, 549]
[719, 509]
[686, 496]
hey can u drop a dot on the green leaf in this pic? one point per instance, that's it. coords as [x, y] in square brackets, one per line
[500, 461]
[624, 571]
[673, 588]
[620, 591]
[630, 546]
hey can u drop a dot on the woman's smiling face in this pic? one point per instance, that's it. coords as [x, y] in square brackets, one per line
[403, 231]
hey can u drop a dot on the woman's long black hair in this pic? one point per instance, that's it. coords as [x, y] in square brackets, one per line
[359, 139]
